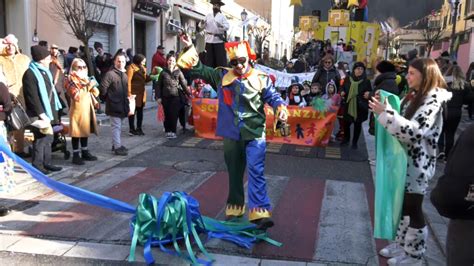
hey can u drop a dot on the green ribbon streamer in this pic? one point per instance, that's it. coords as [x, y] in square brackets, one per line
[174, 226]
[391, 167]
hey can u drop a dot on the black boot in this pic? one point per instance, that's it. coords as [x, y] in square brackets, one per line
[76, 159]
[4, 210]
[87, 156]
[263, 223]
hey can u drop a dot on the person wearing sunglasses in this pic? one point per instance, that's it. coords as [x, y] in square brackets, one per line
[82, 120]
[242, 93]
[327, 72]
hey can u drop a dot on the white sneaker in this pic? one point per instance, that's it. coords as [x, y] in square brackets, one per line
[404, 260]
[172, 135]
[391, 251]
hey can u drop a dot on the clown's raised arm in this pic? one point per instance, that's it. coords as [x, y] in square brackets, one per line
[242, 79]
[189, 60]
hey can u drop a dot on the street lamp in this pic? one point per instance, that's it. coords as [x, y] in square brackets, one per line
[453, 32]
[243, 16]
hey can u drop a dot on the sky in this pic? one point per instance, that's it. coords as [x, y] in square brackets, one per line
[378, 9]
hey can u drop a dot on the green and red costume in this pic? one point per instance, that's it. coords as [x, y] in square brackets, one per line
[241, 122]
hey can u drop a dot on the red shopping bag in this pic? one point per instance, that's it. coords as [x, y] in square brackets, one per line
[160, 113]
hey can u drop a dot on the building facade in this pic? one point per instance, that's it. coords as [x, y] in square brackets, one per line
[141, 25]
[464, 35]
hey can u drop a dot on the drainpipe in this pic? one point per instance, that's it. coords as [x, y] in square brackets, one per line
[132, 23]
[161, 26]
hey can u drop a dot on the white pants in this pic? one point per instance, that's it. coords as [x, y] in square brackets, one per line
[116, 124]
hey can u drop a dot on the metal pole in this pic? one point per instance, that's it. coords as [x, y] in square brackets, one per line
[453, 32]
[386, 46]
[243, 32]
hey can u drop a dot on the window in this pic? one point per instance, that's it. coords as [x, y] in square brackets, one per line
[459, 12]
[3, 25]
[469, 6]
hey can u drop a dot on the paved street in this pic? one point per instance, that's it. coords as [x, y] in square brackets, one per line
[323, 204]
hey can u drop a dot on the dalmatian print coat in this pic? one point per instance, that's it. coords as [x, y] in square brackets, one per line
[419, 136]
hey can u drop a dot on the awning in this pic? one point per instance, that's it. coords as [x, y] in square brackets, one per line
[190, 13]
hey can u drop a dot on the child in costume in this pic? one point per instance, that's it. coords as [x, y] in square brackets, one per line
[417, 127]
[242, 93]
[294, 95]
[333, 101]
[331, 96]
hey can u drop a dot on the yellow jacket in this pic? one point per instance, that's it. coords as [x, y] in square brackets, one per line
[14, 68]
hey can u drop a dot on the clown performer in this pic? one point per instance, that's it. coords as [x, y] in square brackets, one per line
[242, 94]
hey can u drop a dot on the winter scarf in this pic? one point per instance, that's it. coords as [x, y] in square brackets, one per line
[352, 97]
[35, 68]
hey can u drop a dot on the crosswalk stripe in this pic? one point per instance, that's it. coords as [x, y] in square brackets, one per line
[345, 229]
[296, 217]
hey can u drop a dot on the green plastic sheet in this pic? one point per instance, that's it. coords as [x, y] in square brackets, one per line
[391, 168]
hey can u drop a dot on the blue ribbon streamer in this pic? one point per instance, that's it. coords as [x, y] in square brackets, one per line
[193, 215]
[68, 190]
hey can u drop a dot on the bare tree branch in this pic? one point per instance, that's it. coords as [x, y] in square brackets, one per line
[260, 33]
[83, 17]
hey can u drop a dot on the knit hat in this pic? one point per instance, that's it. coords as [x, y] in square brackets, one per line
[98, 45]
[39, 53]
[385, 66]
[358, 64]
[295, 81]
[10, 39]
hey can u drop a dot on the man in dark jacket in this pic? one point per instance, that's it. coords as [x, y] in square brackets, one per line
[114, 90]
[387, 79]
[42, 106]
[453, 197]
[103, 61]
[327, 72]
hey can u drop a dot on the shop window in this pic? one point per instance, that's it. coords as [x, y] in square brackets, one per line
[3, 25]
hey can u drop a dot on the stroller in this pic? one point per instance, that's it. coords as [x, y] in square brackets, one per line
[59, 141]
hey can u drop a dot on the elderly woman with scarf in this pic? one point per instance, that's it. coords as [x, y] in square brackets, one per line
[42, 106]
[82, 121]
[355, 93]
[14, 66]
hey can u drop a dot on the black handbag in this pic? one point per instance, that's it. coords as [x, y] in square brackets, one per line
[17, 119]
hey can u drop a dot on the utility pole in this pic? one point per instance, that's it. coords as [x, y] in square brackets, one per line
[453, 32]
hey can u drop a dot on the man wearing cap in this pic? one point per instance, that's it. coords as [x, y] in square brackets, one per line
[215, 29]
[158, 58]
[14, 66]
[242, 93]
[42, 106]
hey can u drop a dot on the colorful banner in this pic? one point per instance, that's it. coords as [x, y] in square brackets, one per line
[308, 127]
[283, 79]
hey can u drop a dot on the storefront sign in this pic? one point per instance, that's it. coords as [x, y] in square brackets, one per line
[148, 8]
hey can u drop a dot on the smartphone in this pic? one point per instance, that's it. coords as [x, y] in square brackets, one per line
[470, 193]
